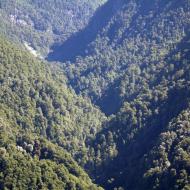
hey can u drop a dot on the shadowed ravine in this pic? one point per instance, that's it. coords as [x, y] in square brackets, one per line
[78, 43]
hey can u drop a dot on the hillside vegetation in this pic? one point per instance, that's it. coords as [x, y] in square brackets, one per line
[42, 23]
[136, 68]
[132, 44]
[115, 99]
[36, 108]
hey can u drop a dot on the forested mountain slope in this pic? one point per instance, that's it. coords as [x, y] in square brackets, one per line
[133, 61]
[41, 23]
[37, 108]
[142, 139]
[136, 67]
[139, 35]
[77, 44]
[34, 163]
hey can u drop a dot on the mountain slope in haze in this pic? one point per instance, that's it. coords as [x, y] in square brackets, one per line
[41, 23]
[41, 121]
[78, 43]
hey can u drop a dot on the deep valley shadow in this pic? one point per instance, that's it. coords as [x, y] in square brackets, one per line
[77, 44]
[125, 165]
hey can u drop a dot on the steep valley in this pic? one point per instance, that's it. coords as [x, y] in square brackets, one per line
[109, 105]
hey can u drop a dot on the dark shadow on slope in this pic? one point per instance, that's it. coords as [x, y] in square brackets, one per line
[127, 167]
[183, 47]
[78, 43]
[110, 102]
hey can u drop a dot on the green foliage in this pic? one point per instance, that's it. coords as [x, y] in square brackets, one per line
[137, 71]
[41, 103]
[36, 104]
[53, 169]
[137, 68]
[31, 22]
[133, 38]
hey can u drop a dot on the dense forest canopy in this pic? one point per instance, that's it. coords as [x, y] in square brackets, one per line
[112, 105]
[38, 112]
[139, 35]
[42, 23]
